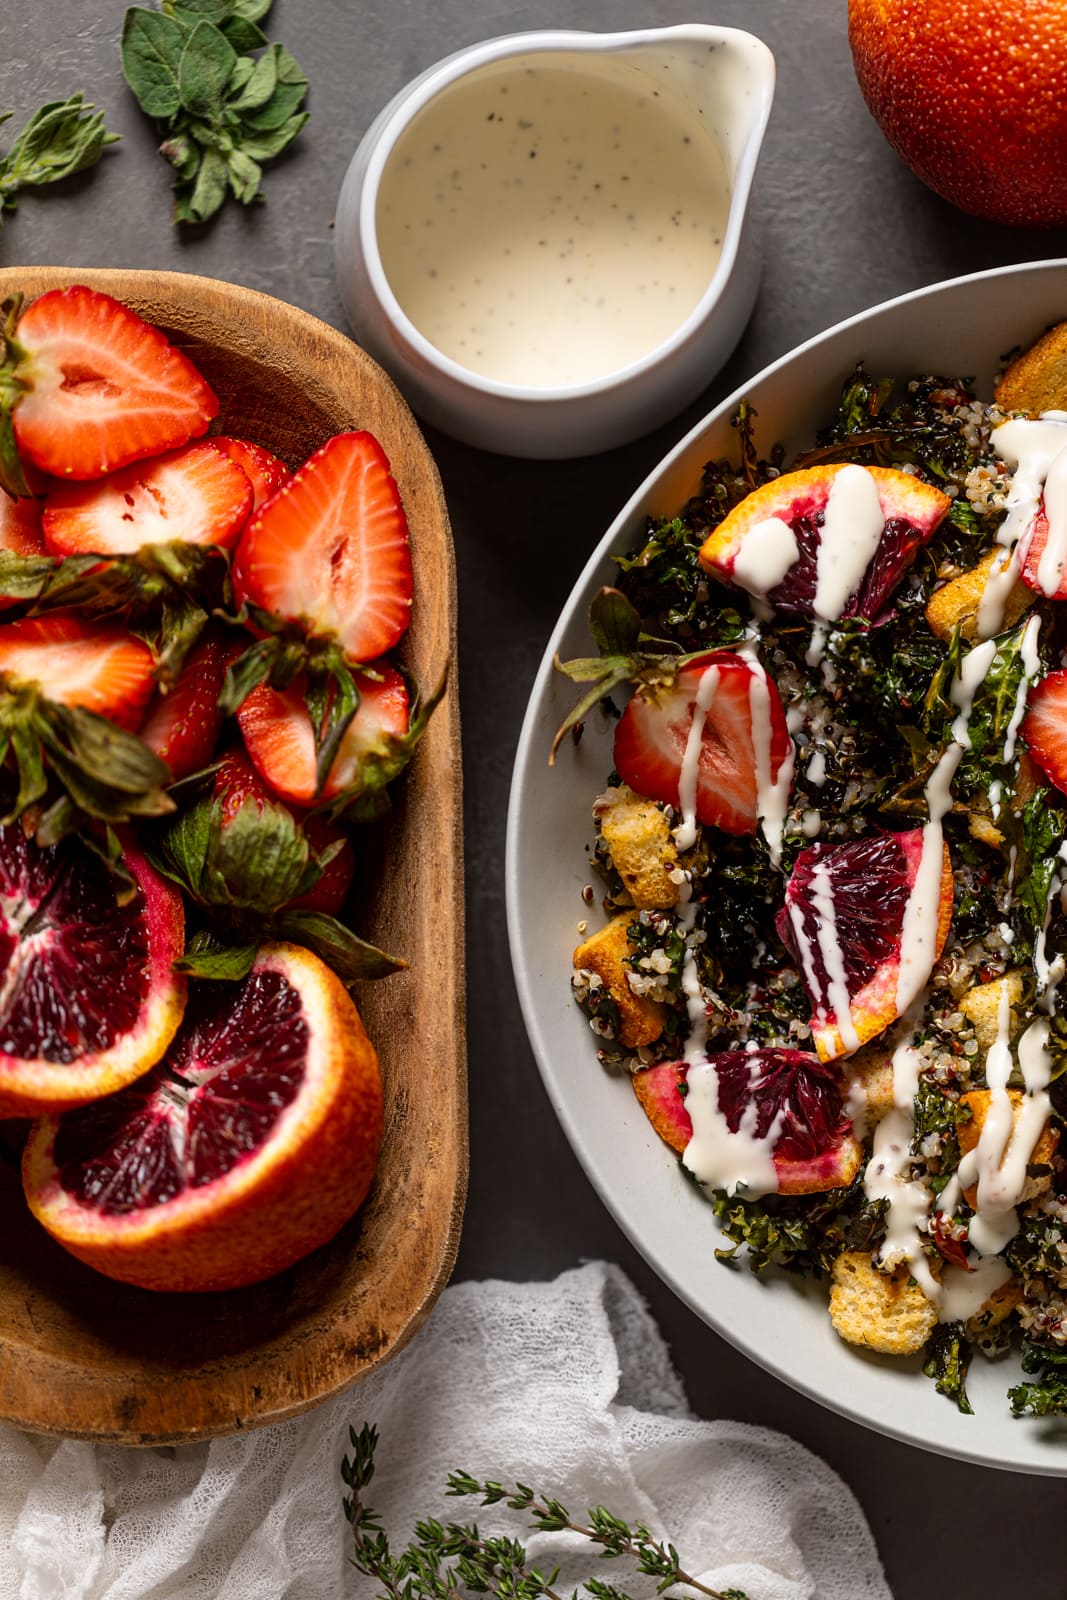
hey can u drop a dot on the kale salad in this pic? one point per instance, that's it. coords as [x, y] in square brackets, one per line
[833, 864]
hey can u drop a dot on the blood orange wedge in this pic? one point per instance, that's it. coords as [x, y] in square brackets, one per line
[815, 1148]
[843, 921]
[250, 1144]
[89, 1000]
[770, 543]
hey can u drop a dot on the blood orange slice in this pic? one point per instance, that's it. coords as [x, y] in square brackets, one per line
[815, 1148]
[769, 543]
[250, 1144]
[88, 999]
[843, 921]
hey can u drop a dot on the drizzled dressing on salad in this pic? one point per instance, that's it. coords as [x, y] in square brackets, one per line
[832, 558]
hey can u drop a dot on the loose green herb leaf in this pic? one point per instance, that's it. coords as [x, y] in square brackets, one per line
[445, 1559]
[60, 139]
[221, 111]
[947, 1360]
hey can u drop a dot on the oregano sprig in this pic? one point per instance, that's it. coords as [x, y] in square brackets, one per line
[60, 139]
[222, 109]
[446, 1561]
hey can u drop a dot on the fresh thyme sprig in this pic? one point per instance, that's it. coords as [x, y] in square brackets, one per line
[447, 1561]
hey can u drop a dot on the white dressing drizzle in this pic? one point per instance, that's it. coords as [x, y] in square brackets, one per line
[1028, 447]
[816, 770]
[717, 1155]
[851, 533]
[686, 832]
[886, 1178]
[772, 793]
[1000, 581]
[822, 899]
[1054, 555]
[1031, 670]
[765, 555]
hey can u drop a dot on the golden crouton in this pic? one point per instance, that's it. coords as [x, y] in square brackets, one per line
[981, 1006]
[885, 1311]
[979, 1101]
[638, 837]
[1037, 380]
[869, 1086]
[958, 600]
[984, 829]
[996, 1309]
[641, 1018]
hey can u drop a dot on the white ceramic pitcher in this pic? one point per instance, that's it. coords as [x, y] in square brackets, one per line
[727, 77]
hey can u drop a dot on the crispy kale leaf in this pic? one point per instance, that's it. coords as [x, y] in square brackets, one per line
[948, 1356]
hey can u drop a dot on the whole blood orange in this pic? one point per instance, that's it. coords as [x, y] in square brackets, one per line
[252, 1142]
[89, 1000]
[973, 95]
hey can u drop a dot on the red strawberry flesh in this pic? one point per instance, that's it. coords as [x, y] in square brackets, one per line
[652, 733]
[1044, 727]
[330, 549]
[78, 663]
[194, 495]
[105, 387]
[20, 526]
[264, 471]
[182, 725]
[278, 735]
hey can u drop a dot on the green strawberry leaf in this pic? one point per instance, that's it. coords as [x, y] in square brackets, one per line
[365, 800]
[352, 958]
[207, 956]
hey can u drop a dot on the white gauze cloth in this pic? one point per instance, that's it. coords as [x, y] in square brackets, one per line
[566, 1386]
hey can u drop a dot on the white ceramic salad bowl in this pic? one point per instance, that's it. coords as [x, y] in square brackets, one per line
[959, 328]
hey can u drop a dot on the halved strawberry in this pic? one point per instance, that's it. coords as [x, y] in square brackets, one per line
[651, 737]
[182, 725]
[330, 549]
[194, 494]
[103, 386]
[20, 525]
[1044, 727]
[78, 663]
[264, 471]
[237, 781]
[815, 1148]
[278, 735]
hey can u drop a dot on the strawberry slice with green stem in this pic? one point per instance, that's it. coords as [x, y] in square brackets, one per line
[69, 694]
[378, 744]
[86, 386]
[244, 858]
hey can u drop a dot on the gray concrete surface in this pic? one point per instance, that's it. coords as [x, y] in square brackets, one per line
[844, 225]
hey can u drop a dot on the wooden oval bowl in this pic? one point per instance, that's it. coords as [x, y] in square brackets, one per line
[92, 1359]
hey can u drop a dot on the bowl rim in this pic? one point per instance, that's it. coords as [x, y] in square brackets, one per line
[530, 751]
[406, 105]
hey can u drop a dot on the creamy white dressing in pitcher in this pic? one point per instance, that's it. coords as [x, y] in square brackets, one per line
[548, 220]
